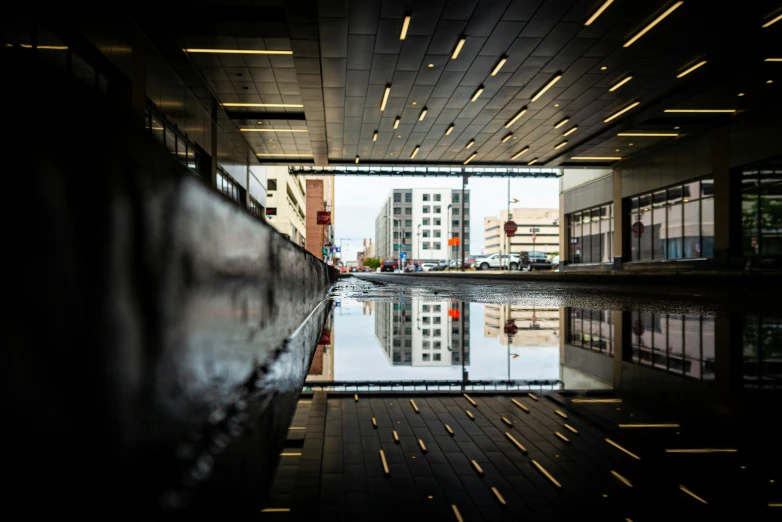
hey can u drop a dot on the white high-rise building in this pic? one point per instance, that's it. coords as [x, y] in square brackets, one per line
[420, 222]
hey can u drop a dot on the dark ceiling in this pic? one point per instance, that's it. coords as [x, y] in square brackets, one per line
[345, 53]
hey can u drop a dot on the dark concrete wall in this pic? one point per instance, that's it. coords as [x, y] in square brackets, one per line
[592, 194]
[152, 358]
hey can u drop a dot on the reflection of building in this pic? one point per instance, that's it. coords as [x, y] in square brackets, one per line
[423, 333]
[536, 326]
[322, 367]
[544, 221]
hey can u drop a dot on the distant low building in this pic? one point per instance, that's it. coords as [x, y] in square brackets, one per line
[543, 221]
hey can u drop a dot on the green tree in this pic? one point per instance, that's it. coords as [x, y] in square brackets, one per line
[372, 262]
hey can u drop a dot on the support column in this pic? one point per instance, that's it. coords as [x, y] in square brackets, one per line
[723, 208]
[564, 238]
[621, 251]
[620, 327]
[727, 353]
[213, 142]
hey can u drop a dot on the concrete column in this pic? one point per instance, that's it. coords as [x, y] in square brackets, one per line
[723, 209]
[564, 239]
[619, 219]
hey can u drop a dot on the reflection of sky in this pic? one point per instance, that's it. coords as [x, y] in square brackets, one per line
[358, 354]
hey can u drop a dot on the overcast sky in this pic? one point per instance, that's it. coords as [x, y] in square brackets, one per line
[358, 201]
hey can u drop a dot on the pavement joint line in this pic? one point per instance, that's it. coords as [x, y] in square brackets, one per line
[620, 448]
[520, 405]
[571, 428]
[499, 497]
[546, 473]
[456, 513]
[562, 437]
[621, 479]
[693, 495]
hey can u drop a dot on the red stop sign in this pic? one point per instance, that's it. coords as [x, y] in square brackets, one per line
[638, 229]
[510, 228]
[511, 328]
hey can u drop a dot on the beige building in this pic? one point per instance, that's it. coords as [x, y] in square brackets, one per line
[544, 221]
[369, 249]
[537, 326]
[286, 204]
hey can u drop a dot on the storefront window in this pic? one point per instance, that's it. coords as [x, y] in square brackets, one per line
[592, 329]
[761, 211]
[675, 223]
[591, 235]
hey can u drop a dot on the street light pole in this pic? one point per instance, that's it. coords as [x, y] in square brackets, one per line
[448, 228]
[419, 242]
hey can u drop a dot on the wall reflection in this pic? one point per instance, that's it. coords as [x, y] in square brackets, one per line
[534, 326]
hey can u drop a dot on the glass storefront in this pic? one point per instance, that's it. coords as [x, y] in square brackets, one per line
[673, 223]
[762, 353]
[761, 211]
[592, 329]
[591, 234]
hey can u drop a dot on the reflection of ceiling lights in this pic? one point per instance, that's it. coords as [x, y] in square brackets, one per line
[237, 51]
[774, 59]
[620, 83]
[598, 12]
[458, 48]
[772, 21]
[273, 130]
[560, 145]
[561, 123]
[690, 69]
[284, 105]
[415, 151]
[506, 138]
[519, 153]
[405, 26]
[470, 158]
[571, 131]
[715, 111]
[622, 111]
[450, 128]
[532, 161]
[385, 97]
[649, 134]
[516, 117]
[596, 158]
[498, 66]
[656, 21]
[546, 87]
[356, 160]
[281, 154]
[741, 94]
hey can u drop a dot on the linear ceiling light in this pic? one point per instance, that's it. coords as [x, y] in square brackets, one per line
[532, 161]
[272, 130]
[650, 134]
[237, 51]
[450, 128]
[560, 145]
[506, 138]
[656, 21]
[385, 97]
[596, 158]
[405, 25]
[558, 125]
[280, 154]
[598, 12]
[716, 111]
[423, 113]
[499, 66]
[374, 136]
[470, 144]
[519, 153]
[289, 105]
[551, 82]
[622, 111]
[690, 69]
[620, 83]
[470, 158]
[477, 93]
[571, 130]
[518, 115]
[415, 151]
[770, 22]
[356, 159]
[773, 59]
[458, 48]
[396, 122]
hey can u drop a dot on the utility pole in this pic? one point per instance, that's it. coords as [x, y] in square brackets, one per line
[507, 237]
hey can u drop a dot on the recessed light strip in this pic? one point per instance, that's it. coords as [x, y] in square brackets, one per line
[396, 122]
[458, 48]
[773, 21]
[690, 69]
[423, 114]
[655, 22]
[622, 111]
[415, 151]
[282, 155]
[272, 130]
[571, 131]
[551, 82]
[506, 138]
[450, 128]
[519, 153]
[518, 115]
[717, 111]
[598, 12]
[560, 145]
[596, 158]
[773, 60]
[385, 97]
[620, 83]
[477, 93]
[650, 134]
[498, 66]
[470, 158]
[288, 105]
[236, 51]
[405, 26]
[374, 136]
[356, 160]
[470, 144]
[532, 161]
[561, 123]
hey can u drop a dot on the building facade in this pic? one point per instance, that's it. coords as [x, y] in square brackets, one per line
[536, 326]
[319, 197]
[420, 222]
[543, 221]
[286, 204]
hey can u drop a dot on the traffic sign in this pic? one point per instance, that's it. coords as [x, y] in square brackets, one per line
[403, 256]
[510, 228]
[323, 217]
[638, 229]
[511, 328]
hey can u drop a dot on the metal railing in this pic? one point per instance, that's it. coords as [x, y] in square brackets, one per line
[403, 170]
[424, 385]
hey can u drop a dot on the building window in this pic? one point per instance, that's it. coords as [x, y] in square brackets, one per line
[591, 234]
[396, 235]
[408, 222]
[227, 185]
[425, 332]
[408, 197]
[437, 197]
[425, 210]
[455, 198]
[437, 222]
[592, 329]
[397, 197]
[436, 233]
[455, 223]
[425, 345]
[426, 197]
[455, 211]
[437, 246]
[761, 211]
[673, 223]
[437, 332]
[397, 211]
[467, 197]
[437, 210]
[408, 211]
[271, 185]
[436, 356]
[425, 308]
[426, 233]
[425, 319]
[425, 356]
[425, 222]
[437, 308]
[256, 209]
[436, 319]
[761, 351]
[408, 357]
[425, 245]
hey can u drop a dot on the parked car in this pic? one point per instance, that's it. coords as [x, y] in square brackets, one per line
[428, 267]
[389, 265]
[498, 261]
[410, 267]
[555, 263]
[535, 261]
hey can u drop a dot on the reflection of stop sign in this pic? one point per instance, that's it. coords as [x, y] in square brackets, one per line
[638, 328]
[510, 228]
[638, 229]
[511, 328]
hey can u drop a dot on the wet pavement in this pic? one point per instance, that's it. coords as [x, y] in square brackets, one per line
[625, 403]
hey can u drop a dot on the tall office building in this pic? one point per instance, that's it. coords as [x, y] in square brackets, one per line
[286, 204]
[420, 222]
